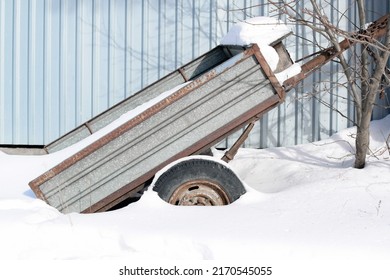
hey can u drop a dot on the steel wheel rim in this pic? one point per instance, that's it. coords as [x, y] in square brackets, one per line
[199, 193]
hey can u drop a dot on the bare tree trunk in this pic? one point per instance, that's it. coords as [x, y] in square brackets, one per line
[363, 129]
[363, 117]
[370, 88]
[363, 139]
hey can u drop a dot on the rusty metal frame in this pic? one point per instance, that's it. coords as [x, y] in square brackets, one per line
[375, 30]
[212, 138]
[231, 153]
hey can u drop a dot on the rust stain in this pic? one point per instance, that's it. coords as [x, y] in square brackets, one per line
[268, 71]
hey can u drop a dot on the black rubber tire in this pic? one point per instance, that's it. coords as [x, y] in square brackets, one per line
[199, 169]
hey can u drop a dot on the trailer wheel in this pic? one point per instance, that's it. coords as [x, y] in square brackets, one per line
[199, 182]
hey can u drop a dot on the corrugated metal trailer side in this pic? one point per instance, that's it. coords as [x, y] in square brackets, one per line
[212, 106]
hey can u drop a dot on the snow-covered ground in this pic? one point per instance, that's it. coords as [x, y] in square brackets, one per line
[302, 202]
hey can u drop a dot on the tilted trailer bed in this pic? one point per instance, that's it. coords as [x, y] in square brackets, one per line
[224, 90]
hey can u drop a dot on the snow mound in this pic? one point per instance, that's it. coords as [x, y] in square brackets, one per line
[259, 30]
[262, 31]
[304, 201]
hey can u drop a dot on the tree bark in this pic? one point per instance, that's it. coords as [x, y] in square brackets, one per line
[362, 140]
[368, 99]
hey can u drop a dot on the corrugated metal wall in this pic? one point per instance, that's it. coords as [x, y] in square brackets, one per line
[62, 62]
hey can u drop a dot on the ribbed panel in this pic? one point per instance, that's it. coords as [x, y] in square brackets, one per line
[63, 62]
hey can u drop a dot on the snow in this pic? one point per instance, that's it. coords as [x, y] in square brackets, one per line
[262, 31]
[289, 72]
[302, 202]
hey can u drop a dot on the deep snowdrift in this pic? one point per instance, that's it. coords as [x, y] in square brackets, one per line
[303, 201]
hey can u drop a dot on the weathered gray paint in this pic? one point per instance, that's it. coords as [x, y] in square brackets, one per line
[63, 62]
[228, 95]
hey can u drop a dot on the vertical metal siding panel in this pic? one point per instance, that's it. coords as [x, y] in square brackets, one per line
[135, 31]
[221, 23]
[170, 34]
[324, 83]
[2, 71]
[143, 44]
[176, 49]
[340, 93]
[152, 44]
[218, 23]
[193, 31]
[186, 36]
[109, 47]
[145, 60]
[125, 50]
[203, 24]
[171, 31]
[68, 70]
[211, 15]
[100, 59]
[8, 81]
[117, 50]
[21, 77]
[160, 35]
[168, 27]
[52, 69]
[314, 90]
[35, 71]
[84, 63]
[129, 53]
[332, 97]
[300, 104]
[162, 40]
